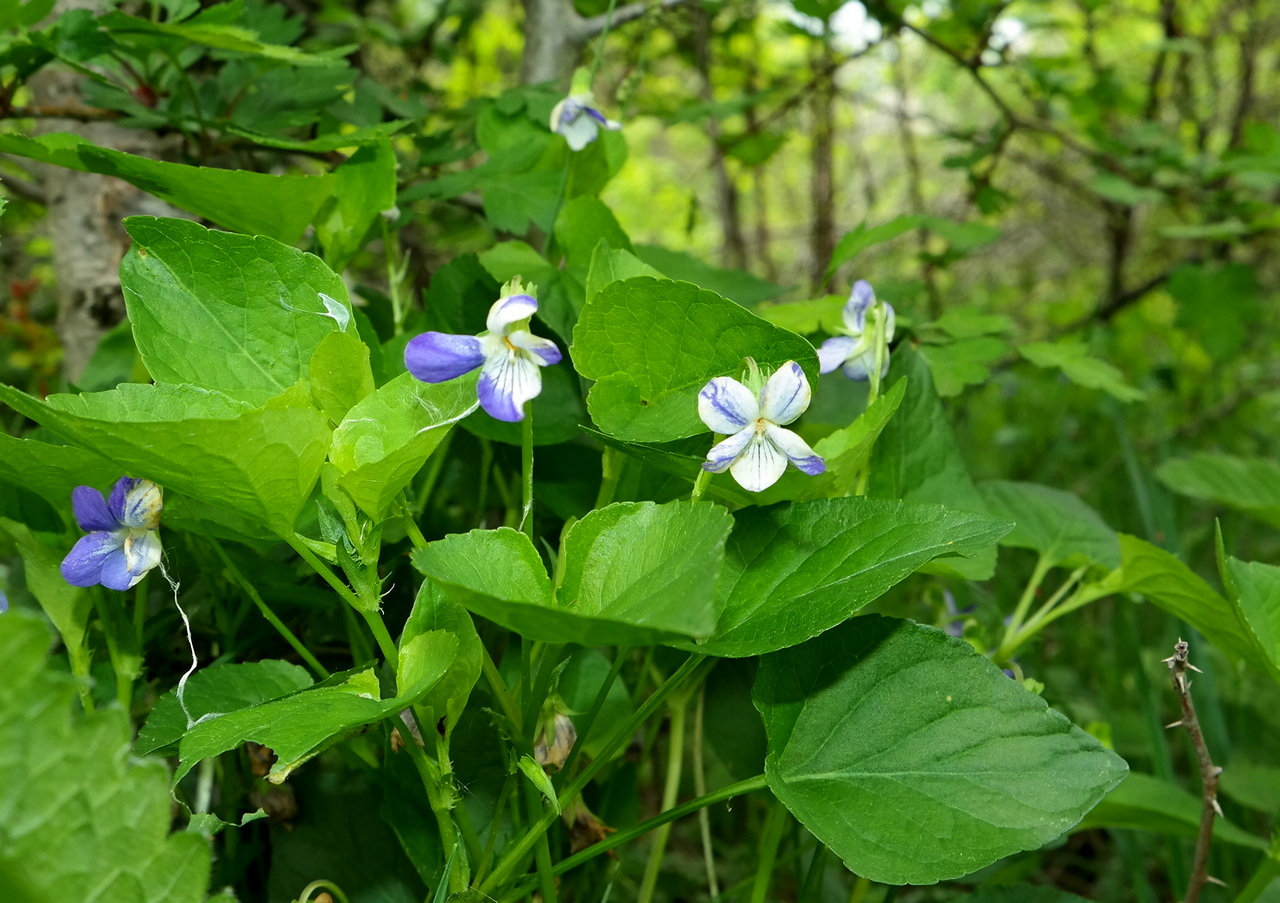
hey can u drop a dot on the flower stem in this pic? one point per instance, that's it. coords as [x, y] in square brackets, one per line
[670, 791]
[1038, 573]
[251, 591]
[769, 841]
[700, 485]
[526, 472]
[441, 799]
[620, 658]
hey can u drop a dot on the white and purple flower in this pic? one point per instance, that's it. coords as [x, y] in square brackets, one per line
[508, 354]
[579, 122]
[122, 544]
[856, 349]
[4, 602]
[758, 448]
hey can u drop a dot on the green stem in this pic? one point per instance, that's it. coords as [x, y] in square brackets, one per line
[1038, 573]
[750, 785]
[611, 463]
[140, 612]
[124, 680]
[810, 890]
[769, 841]
[700, 485]
[526, 471]
[1268, 871]
[251, 591]
[491, 842]
[620, 658]
[542, 852]
[380, 633]
[1050, 613]
[441, 801]
[670, 793]
[322, 884]
[700, 789]
[516, 853]
[498, 687]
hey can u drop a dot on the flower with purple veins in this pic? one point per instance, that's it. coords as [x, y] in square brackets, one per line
[856, 349]
[122, 543]
[578, 121]
[508, 354]
[753, 415]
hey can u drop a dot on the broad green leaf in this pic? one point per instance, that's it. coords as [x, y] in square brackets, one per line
[881, 726]
[1251, 485]
[1218, 303]
[1253, 784]
[651, 345]
[1076, 364]
[1254, 588]
[238, 314]
[794, 571]
[52, 471]
[340, 374]
[509, 259]
[634, 573]
[80, 819]
[433, 610]
[213, 690]
[1173, 587]
[388, 436]
[364, 188]
[260, 462]
[302, 725]
[538, 778]
[67, 607]
[423, 662]
[970, 323]
[514, 200]
[214, 35]
[610, 265]
[278, 207]
[1056, 524]
[807, 316]
[966, 362]
[738, 286]
[1117, 188]
[1143, 802]
[916, 458]
[583, 223]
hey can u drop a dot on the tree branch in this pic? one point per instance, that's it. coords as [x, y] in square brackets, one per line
[588, 28]
[1178, 667]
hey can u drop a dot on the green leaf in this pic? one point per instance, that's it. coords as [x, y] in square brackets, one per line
[68, 607]
[261, 462]
[737, 285]
[1251, 485]
[1143, 802]
[52, 471]
[863, 236]
[214, 690]
[301, 726]
[916, 458]
[634, 573]
[275, 206]
[609, 265]
[1254, 589]
[538, 778]
[580, 683]
[80, 819]
[1173, 587]
[651, 345]
[1122, 191]
[794, 571]
[1253, 785]
[908, 727]
[967, 362]
[340, 374]
[238, 314]
[810, 315]
[364, 187]
[433, 611]
[1021, 893]
[583, 224]
[388, 436]
[1054, 523]
[1073, 359]
[424, 660]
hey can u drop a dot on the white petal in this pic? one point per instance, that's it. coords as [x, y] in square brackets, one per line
[855, 309]
[510, 310]
[834, 352]
[889, 322]
[726, 405]
[786, 395]
[759, 466]
[796, 449]
[507, 381]
[725, 453]
[543, 352]
[142, 553]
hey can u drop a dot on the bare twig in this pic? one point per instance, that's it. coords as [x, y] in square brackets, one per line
[1178, 668]
[590, 27]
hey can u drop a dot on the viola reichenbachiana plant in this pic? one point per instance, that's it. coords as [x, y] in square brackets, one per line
[444, 629]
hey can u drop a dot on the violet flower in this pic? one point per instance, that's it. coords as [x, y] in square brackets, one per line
[122, 543]
[578, 121]
[510, 356]
[856, 349]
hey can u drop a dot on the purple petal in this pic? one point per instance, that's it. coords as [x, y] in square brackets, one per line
[84, 563]
[759, 466]
[506, 383]
[434, 357]
[140, 503]
[786, 395]
[859, 366]
[726, 405]
[508, 311]
[797, 451]
[855, 309]
[544, 351]
[91, 509]
[834, 352]
[726, 452]
[4, 602]
[115, 573]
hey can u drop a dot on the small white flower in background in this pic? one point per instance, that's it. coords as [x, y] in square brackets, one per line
[508, 354]
[579, 122]
[856, 349]
[758, 448]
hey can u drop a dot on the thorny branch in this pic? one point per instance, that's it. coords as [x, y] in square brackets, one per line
[1209, 773]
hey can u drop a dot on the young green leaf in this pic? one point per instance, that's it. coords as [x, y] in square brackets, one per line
[1056, 524]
